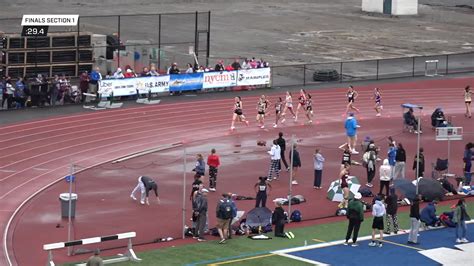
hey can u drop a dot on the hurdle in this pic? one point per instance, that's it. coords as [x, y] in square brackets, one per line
[428, 71]
[129, 255]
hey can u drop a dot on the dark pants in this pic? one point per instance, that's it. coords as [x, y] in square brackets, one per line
[282, 154]
[385, 184]
[280, 228]
[9, 99]
[261, 198]
[200, 225]
[354, 225]
[318, 176]
[212, 176]
[370, 175]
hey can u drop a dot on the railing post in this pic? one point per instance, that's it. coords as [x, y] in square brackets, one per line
[304, 75]
[208, 48]
[159, 42]
[118, 38]
[413, 68]
[340, 72]
[196, 36]
[377, 76]
[447, 66]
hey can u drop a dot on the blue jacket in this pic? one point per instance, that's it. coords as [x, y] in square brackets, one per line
[392, 153]
[428, 214]
[351, 126]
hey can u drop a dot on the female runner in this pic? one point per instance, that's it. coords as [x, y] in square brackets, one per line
[351, 96]
[309, 108]
[378, 102]
[278, 106]
[288, 105]
[238, 114]
[467, 101]
[261, 108]
[301, 102]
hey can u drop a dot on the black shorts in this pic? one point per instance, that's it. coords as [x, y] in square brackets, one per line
[467, 101]
[378, 223]
[277, 112]
[261, 113]
[309, 108]
[351, 100]
[238, 112]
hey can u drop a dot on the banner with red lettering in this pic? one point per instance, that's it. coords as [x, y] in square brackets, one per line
[219, 79]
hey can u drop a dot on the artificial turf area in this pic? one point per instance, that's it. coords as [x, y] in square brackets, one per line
[244, 251]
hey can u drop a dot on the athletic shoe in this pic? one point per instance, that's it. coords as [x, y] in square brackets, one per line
[288, 169]
[222, 241]
[291, 234]
[381, 107]
[247, 123]
[345, 243]
[147, 202]
[262, 127]
[369, 185]
[464, 240]
[133, 197]
[275, 125]
[354, 152]
[269, 179]
[315, 187]
[458, 240]
[294, 182]
[354, 244]
[387, 233]
[201, 239]
[378, 114]
[287, 235]
[380, 245]
[283, 120]
[372, 244]
[232, 128]
[212, 189]
[142, 202]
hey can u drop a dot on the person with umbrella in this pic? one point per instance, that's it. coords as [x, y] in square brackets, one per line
[414, 221]
[460, 218]
[355, 214]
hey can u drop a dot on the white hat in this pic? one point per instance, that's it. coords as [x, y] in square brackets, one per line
[357, 195]
[129, 70]
[204, 190]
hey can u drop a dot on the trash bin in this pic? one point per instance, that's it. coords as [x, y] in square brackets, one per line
[64, 199]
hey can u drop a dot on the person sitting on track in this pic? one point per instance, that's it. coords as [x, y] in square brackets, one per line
[145, 184]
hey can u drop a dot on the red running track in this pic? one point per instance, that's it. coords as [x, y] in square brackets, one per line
[35, 154]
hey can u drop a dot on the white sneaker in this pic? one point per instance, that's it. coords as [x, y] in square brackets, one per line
[232, 128]
[283, 120]
[458, 240]
[142, 202]
[262, 127]
[372, 244]
[464, 240]
[378, 114]
[294, 182]
[354, 152]
[133, 197]
[212, 189]
[274, 125]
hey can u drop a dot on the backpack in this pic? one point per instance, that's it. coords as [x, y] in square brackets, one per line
[365, 192]
[225, 209]
[296, 216]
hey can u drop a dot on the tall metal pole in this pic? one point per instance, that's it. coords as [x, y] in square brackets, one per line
[78, 58]
[208, 48]
[449, 150]
[119, 44]
[291, 173]
[184, 193]
[69, 222]
[196, 35]
[418, 153]
[159, 42]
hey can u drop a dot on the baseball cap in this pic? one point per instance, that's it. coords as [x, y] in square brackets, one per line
[357, 195]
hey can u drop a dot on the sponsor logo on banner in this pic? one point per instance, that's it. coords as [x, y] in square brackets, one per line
[126, 87]
[256, 76]
[219, 79]
[186, 82]
[153, 84]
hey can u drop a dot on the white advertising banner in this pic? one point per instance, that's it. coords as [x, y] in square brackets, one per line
[219, 79]
[125, 87]
[255, 76]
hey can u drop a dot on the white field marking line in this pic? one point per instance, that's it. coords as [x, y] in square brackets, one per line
[125, 112]
[97, 147]
[313, 262]
[134, 119]
[40, 169]
[159, 130]
[7, 171]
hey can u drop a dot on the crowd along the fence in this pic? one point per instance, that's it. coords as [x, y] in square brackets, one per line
[184, 82]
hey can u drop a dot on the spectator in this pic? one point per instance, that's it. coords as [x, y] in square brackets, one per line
[200, 167]
[145, 184]
[400, 160]
[129, 73]
[95, 260]
[378, 211]
[391, 155]
[410, 120]
[9, 93]
[296, 163]
[369, 159]
[229, 68]
[54, 91]
[174, 69]
[219, 66]
[468, 157]
[64, 88]
[318, 160]
[109, 75]
[428, 214]
[351, 132]
[189, 69]
[421, 164]
[263, 63]
[83, 84]
[261, 188]
[384, 172]
[275, 156]
[460, 218]
[392, 206]
[145, 72]
[355, 214]
[20, 95]
[3, 91]
[94, 78]
[213, 161]
[118, 74]
[200, 211]
[279, 219]
[438, 119]
[253, 63]
[234, 212]
[224, 215]
[414, 221]
[246, 64]
[153, 71]
[236, 65]
[282, 143]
